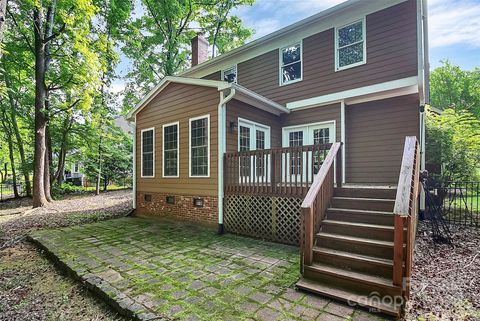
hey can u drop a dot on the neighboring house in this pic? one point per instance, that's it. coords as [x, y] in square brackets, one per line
[238, 139]
[74, 174]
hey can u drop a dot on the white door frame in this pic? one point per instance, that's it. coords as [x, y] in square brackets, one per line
[307, 130]
[254, 126]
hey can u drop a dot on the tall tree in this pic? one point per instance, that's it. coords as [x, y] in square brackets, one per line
[452, 87]
[3, 16]
[158, 43]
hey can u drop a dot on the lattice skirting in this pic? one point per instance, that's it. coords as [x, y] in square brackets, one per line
[267, 217]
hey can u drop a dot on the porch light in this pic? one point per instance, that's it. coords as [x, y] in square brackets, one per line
[233, 126]
[198, 202]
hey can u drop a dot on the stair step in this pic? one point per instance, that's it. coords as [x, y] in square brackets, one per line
[360, 216]
[374, 231]
[358, 245]
[372, 204]
[355, 262]
[386, 193]
[337, 293]
[351, 280]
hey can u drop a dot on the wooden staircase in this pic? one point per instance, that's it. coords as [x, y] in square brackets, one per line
[353, 251]
[357, 243]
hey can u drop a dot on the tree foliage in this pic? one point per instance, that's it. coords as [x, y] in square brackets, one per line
[453, 141]
[452, 87]
[158, 42]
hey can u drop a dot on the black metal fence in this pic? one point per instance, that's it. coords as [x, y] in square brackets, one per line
[7, 190]
[460, 202]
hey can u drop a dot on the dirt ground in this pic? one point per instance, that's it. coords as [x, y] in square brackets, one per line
[445, 284]
[446, 278]
[30, 287]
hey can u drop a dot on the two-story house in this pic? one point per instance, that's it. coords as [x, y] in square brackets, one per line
[243, 139]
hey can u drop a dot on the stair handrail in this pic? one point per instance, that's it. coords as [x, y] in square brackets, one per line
[317, 201]
[405, 214]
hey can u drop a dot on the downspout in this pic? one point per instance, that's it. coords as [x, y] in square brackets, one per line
[222, 132]
[134, 176]
[423, 80]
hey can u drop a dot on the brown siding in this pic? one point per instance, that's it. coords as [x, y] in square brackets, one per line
[179, 102]
[315, 115]
[236, 109]
[214, 76]
[391, 54]
[375, 135]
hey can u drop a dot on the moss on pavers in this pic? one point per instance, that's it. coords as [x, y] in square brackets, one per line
[154, 269]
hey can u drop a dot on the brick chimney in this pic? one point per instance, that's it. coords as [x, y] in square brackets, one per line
[199, 49]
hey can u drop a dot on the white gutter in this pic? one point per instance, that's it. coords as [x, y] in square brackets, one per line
[134, 187]
[222, 119]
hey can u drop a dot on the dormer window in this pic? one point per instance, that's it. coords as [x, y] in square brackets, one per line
[291, 64]
[230, 74]
[351, 49]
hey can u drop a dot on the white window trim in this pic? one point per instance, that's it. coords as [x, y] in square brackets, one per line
[222, 73]
[364, 39]
[178, 150]
[255, 125]
[286, 130]
[190, 146]
[141, 152]
[280, 64]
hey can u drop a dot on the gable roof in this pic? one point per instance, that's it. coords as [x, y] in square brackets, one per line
[336, 16]
[239, 92]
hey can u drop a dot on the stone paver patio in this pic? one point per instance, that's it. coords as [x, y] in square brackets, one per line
[154, 269]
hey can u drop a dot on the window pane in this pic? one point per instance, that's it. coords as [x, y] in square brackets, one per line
[350, 55]
[147, 153]
[296, 139]
[291, 54]
[321, 136]
[292, 72]
[260, 139]
[244, 138]
[199, 147]
[350, 34]
[170, 152]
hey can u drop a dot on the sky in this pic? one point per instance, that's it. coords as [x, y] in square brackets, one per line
[454, 27]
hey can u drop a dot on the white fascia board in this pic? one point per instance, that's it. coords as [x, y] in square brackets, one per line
[352, 93]
[259, 101]
[339, 15]
[172, 79]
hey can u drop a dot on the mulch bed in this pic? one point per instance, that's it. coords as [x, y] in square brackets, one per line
[446, 278]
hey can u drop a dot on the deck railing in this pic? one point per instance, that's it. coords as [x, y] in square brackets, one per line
[318, 200]
[285, 172]
[406, 214]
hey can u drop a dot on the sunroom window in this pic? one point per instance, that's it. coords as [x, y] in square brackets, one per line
[170, 150]
[351, 46]
[291, 64]
[230, 74]
[199, 146]
[148, 152]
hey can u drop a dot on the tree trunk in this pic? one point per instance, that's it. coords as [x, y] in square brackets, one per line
[3, 15]
[67, 125]
[18, 136]
[105, 183]
[10, 154]
[99, 173]
[46, 173]
[39, 198]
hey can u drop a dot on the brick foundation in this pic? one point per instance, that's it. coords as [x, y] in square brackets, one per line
[183, 207]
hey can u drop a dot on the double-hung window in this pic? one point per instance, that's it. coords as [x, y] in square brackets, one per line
[230, 74]
[291, 64]
[350, 45]
[148, 152]
[200, 146]
[170, 150]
